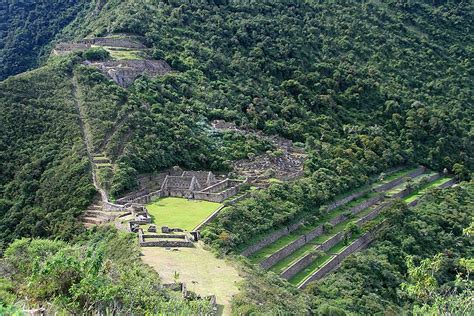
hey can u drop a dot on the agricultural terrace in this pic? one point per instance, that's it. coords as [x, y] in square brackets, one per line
[399, 180]
[180, 213]
[423, 190]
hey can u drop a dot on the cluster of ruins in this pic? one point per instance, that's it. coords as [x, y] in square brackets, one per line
[198, 185]
[287, 165]
[84, 44]
[123, 71]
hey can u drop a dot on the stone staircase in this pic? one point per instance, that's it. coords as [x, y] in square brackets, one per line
[101, 161]
[95, 215]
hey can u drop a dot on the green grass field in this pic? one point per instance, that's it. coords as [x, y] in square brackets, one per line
[395, 175]
[402, 186]
[180, 213]
[422, 191]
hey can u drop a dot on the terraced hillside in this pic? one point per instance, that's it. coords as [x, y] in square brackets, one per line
[301, 253]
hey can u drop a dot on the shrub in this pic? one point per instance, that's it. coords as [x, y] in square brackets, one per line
[96, 53]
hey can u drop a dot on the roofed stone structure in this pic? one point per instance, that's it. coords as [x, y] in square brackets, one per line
[205, 178]
[180, 186]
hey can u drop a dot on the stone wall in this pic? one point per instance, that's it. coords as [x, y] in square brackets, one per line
[406, 192]
[111, 207]
[305, 261]
[164, 240]
[124, 72]
[338, 219]
[448, 183]
[442, 186]
[218, 187]
[283, 253]
[238, 199]
[267, 240]
[366, 204]
[373, 214]
[219, 196]
[345, 200]
[299, 265]
[318, 231]
[293, 246]
[168, 243]
[358, 244]
[387, 186]
[331, 242]
[209, 219]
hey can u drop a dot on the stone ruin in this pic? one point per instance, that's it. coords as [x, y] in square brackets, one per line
[124, 72]
[198, 185]
[132, 42]
[285, 167]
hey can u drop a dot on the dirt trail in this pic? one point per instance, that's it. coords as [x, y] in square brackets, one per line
[76, 90]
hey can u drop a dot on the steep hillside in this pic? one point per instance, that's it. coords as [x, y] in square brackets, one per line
[26, 29]
[45, 181]
[363, 87]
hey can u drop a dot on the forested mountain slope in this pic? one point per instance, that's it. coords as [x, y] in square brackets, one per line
[365, 86]
[26, 29]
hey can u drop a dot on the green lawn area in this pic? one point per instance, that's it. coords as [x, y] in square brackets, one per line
[402, 186]
[120, 53]
[180, 213]
[422, 191]
[395, 175]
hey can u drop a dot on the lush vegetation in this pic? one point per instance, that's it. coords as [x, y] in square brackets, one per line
[27, 28]
[45, 180]
[100, 272]
[420, 263]
[365, 85]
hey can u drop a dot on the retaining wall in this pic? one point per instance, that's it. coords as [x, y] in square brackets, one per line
[387, 186]
[358, 244]
[366, 204]
[331, 242]
[318, 231]
[300, 242]
[345, 200]
[111, 207]
[271, 238]
[448, 183]
[407, 192]
[283, 253]
[442, 186]
[299, 265]
[168, 243]
[292, 247]
[238, 199]
[372, 214]
[209, 219]
[305, 261]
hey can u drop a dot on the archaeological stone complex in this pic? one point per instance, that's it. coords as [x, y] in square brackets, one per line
[123, 71]
[198, 185]
[84, 44]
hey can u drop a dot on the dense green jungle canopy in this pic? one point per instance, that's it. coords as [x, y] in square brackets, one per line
[365, 85]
